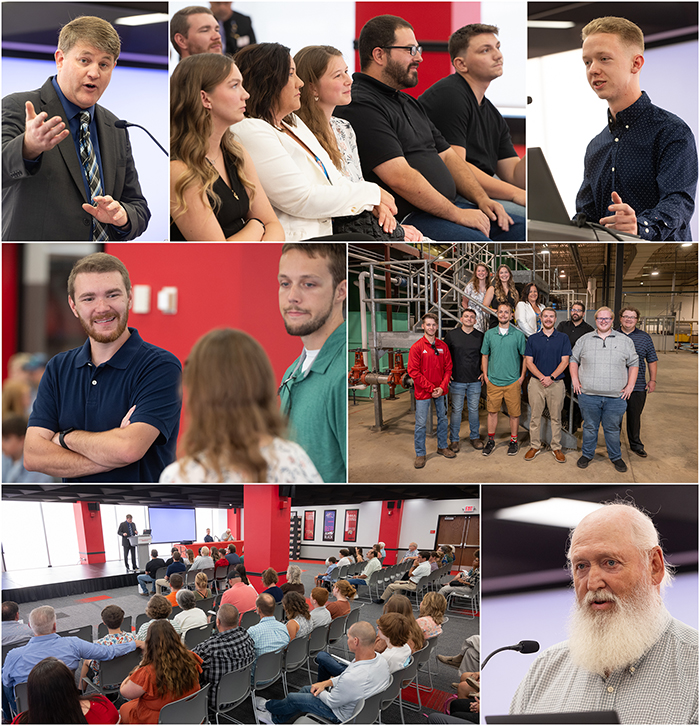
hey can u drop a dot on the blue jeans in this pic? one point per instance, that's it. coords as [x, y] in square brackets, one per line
[597, 410]
[328, 666]
[356, 581]
[301, 702]
[143, 580]
[473, 393]
[442, 229]
[422, 412]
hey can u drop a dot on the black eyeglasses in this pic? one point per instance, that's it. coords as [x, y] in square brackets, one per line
[412, 49]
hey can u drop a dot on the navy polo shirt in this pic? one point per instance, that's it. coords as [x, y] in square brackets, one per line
[547, 351]
[74, 393]
[644, 346]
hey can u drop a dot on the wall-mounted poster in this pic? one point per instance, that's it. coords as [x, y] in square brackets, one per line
[350, 530]
[309, 525]
[329, 525]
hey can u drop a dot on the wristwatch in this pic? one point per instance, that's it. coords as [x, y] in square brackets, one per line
[61, 437]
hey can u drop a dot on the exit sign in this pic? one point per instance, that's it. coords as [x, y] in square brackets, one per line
[469, 508]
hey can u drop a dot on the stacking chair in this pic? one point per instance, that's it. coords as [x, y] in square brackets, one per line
[249, 618]
[233, 689]
[295, 656]
[279, 612]
[190, 576]
[407, 673]
[195, 636]
[205, 604]
[160, 574]
[340, 573]
[317, 642]
[268, 670]
[21, 696]
[352, 617]
[102, 628]
[419, 657]
[113, 672]
[175, 611]
[84, 633]
[220, 574]
[336, 630]
[425, 659]
[140, 620]
[314, 718]
[471, 608]
[190, 709]
[7, 648]
[370, 711]
[209, 572]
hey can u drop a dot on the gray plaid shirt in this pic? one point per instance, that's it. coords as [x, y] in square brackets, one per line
[603, 363]
[660, 688]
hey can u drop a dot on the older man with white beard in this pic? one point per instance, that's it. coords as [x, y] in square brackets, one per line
[625, 651]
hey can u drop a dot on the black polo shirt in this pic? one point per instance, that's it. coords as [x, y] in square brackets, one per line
[389, 124]
[574, 331]
[465, 349]
[74, 393]
[452, 106]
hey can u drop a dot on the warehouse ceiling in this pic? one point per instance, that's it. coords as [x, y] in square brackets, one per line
[225, 495]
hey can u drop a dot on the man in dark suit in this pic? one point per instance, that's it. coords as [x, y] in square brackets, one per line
[67, 171]
[237, 29]
[128, 529]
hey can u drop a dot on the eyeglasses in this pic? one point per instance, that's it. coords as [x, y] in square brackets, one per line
[628, 317]
[412, 49]
[603, 320]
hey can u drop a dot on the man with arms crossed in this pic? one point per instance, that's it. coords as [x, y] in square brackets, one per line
[312, 292]
[404, 153]
[504, 372]
[623, 641]
[430, 367]
[603, 367]
[67, 171]
[641, 171]
[108, 411]
[464, 343]
[470, 123]
[547, 357]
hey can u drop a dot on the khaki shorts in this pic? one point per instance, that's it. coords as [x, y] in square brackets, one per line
[495, 395]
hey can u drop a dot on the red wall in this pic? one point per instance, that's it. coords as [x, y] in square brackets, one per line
[10, 302]
[90, 538]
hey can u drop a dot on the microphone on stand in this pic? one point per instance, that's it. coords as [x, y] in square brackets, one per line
[524, 646]
[122, 124]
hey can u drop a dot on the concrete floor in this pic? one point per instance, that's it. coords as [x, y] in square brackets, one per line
[669, 433]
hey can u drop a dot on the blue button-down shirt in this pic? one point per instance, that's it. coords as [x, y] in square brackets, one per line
[648, 156]
[20, 661]
[268, 635]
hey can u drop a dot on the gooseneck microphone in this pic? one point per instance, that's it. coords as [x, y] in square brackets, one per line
[524, 646]
[122, 124]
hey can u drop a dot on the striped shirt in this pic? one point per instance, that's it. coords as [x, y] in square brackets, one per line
[603, 363]
[646, 352]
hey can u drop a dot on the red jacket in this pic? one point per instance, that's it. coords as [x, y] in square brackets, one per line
[429, 371]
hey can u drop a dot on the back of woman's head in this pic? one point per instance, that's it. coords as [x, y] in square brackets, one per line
[215, 554]
[265, 69]
[158, 608]
[201, 581]
[185, 599]
[346, 589]
[52, 695]
[294, 604]
[175, 669]
[231, 402]
[293, 574]
[396, 627]
[434, 605]
[240, 569]
[402, 605]
[269, 577]
[190, 555]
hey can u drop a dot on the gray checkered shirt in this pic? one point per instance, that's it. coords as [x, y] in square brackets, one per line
[603, 363]
[660, 688]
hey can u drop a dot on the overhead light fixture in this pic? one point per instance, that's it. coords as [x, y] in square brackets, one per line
[545, 252]
[550, 24]
[147, 19]
[654, 272]
[562, 274]
[553, 512]
[687, 244]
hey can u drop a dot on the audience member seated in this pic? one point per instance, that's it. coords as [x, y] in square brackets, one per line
[170, 559]
[294, 583]
[327, 577]
[327, 85]
[52, 697]
[345, 558]
[432, 614]
[229, 649]
[13, 630]
[412, 553]
[232, 557]
[239, 593]
[447, 554]
[176, 566]
[207, 536]
[14, 430]
[298, 615]
[167, 672]
[226, 536]
[203, 561]
[359, 555]
[380, 550]
[302, 183]
[190, 558]
[468, 659]
[269, 634]
[235, 425]
[214, 190]
[320, 614]
[240, 569]
[343, 592]
[270, 580]
[112, 617]
[373, 565]
[433, 560]
[202, 591]
[466, 583]
[419, 570]
[402, 605]
[158, 608]
[220, 558]
[366, 675]
[191, 616]
[177, 582]
[152, 567]
[46, 642]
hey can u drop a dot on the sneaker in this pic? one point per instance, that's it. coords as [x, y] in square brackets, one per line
[419, 463]
[531, 454]
[620, 465]
[477, 443]
[454, 446]
[583, 462]
[264, 716]
[447, 453]
[513, 448]
[559, 456]
[260, 703]
[489, 446]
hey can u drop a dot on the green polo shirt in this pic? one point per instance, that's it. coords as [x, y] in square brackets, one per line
[317, 407]
[505, 355]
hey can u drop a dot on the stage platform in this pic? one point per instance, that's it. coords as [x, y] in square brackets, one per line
[45, 583]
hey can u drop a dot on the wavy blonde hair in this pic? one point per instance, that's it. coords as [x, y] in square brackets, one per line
[312, 62]
[499, 293]
[191, 127]
[231, 404]
[175, 667]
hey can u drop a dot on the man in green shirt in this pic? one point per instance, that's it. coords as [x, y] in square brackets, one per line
[313, 288]
[503, 366]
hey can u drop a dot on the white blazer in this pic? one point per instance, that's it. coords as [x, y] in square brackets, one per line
[526, 318]
[304, 200]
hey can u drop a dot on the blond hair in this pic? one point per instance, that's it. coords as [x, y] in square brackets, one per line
[628, 33]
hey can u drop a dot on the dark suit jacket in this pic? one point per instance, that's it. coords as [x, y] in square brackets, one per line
[46, 204]
[238, 32]
[124, 528]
